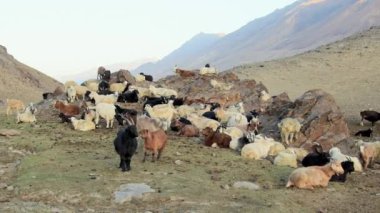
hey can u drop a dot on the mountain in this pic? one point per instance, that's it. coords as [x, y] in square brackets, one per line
[348, 69]
[301, 26]
[91, 73]
[190, 49]
[20, 81]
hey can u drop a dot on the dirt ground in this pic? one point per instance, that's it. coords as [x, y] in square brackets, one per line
[52, 168]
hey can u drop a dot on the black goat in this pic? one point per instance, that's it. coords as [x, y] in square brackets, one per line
[106, 76]
[47, 95]
[147, 77]
[365, 133]
[103, 88]
[316, 158]
[122, 115]
[251, 114]
[214, 106]
[129, 97]
[348, 167]
[369, 115]
[126, 144]
[211, 115]
[152, 101]
[64, 118]
[177, 101]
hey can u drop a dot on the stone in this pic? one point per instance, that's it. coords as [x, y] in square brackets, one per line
[9, 132]
[133, 190]
[245, 185]
[10, 188]
[178, 162]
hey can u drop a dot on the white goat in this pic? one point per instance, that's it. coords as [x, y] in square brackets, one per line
[110, 99]
[158, 92]
[118, 87]
[106, 111]
[289, 129]
[71, 94]
[28, 116]
[82, 125]
[207, 71]
[202, 122]
[336, 154]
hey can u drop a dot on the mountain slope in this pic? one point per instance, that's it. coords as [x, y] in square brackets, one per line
[190, 49]
[20, 81]
[348, 69]
[301, 26]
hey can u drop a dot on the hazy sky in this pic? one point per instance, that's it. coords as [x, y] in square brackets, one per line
[71, 36]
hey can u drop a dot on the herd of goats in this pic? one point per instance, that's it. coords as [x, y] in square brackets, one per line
[220, 125]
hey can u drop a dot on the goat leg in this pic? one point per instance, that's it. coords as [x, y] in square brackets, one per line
[145, 154]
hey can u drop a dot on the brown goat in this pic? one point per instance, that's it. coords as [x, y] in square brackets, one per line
[184, 73]
[186, 130]
[220, 139]
[189, 101]
[14, 104]
[67, 110]
[154, 142]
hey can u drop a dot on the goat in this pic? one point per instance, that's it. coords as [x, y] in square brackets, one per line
[28, 116]
[153, 141]
[289, 128]
[125, 145]
[348, 167]
[184, 73]
[147, 77]
[336, 154]
[14, 104]
[364, 133]
[369, 115]
[369, 152]
[153, 101]
[309, 177]
[316, 158]
[47, 95]
[101, 71]
[103, 88]
[214, 137]
[129, 97]
[67, 110]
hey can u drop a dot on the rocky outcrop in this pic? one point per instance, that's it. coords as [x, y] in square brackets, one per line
[323, 122]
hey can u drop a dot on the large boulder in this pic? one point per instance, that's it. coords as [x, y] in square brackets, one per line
[321, 118]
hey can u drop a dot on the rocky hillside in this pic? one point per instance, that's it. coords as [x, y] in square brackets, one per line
[348, 69]
[297, 28]
[21, 81]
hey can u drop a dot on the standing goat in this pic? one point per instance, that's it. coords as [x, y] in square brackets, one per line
[126, 144]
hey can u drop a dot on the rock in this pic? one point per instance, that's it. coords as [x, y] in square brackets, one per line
[9, 132]
[178, 162]
[128, 191]
[245, 185]
[10, 188]
[226, 187]
[124, 75]
[323, 122]
[3, 185]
